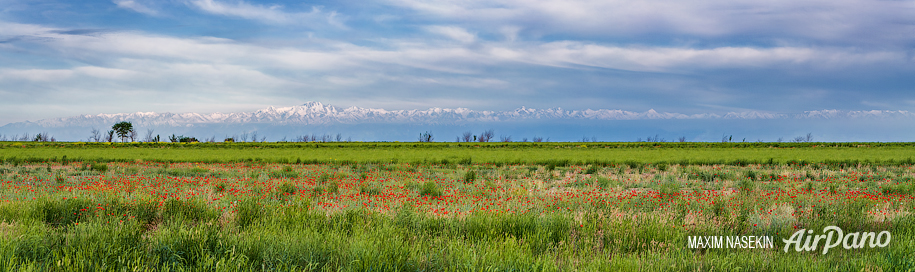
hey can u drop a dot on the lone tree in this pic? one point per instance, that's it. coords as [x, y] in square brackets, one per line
[468, 136]
[123, 129]
[486, 136]
[96, 136]
[426, 137]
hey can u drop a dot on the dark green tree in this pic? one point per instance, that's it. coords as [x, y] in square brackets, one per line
[123, 129]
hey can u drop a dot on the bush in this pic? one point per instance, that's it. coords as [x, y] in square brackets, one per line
[430, 189]
[182, 139]
[752, 175]
[99, 167]
[470, 176]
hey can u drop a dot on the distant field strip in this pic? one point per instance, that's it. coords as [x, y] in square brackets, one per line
[463, 153]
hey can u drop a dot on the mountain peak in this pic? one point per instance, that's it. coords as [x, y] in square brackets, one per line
[315, 113]
[313, 104]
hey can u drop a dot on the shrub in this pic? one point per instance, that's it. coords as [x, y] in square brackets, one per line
[430, 189]
[470, 176]
[752, 175]
[99, 167]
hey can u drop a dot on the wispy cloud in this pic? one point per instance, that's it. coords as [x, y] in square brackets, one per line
[674, 56]
[454, 58]
[672, 59]
[844, 21]
[453, 32]
[273, 14]
[137, 6]
[333, 62]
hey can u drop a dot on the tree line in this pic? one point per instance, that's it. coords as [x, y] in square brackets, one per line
[125, 132]
[489, 136]
[40, 137]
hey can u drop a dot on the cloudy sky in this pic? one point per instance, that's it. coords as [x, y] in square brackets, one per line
[64, 58]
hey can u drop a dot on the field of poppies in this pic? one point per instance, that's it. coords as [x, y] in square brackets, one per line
[92, 215]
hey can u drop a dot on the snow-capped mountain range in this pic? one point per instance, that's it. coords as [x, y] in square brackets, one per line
[316, 113]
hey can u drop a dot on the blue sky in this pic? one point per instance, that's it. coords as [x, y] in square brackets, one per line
[64, 58]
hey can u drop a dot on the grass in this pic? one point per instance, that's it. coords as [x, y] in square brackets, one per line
[550, 154]
[256, 215]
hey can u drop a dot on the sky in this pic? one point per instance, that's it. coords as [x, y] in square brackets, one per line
[65, 58]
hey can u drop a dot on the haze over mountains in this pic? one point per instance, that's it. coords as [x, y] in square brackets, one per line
[371, 124]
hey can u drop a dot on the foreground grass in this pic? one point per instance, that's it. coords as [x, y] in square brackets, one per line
[442, 217]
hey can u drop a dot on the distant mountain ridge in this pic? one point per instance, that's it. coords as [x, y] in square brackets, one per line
[316, 113]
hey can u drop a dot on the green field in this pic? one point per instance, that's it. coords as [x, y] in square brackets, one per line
[496, 153]
[449, 206]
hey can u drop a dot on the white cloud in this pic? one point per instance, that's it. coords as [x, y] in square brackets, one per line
[16, 29]
[136, 6]
[35, 75]
[661, 59]
[167, 69]
[106, 73]
[510, 32]
[453, 32]
[273, 14]
[847, 21]
[328, 56]
[244, 10]
[472, 82]
[454, 58]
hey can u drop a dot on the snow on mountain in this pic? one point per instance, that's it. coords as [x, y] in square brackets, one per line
[316, 113]
[835, 114]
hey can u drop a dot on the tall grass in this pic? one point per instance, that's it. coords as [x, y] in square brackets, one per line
[428, 217]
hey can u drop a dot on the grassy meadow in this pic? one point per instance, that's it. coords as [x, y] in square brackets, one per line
[448, 206]
[465, 153]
